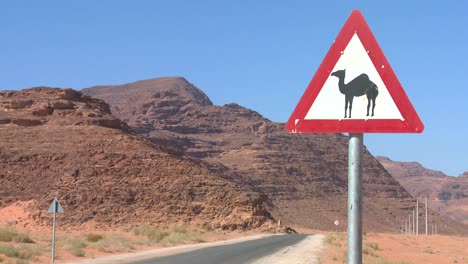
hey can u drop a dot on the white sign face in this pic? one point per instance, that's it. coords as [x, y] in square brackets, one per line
[348, 87]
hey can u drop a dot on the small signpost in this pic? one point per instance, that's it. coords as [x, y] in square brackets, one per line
[354, 91]
[54, 208]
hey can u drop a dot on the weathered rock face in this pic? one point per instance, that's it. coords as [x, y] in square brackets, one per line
[44, 105]
[104, 175]
[305, 176]
[447, 195]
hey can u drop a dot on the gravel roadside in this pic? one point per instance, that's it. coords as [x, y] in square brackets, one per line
[305, 252]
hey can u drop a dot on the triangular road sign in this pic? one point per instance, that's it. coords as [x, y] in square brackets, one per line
[55, 207]
[354, 90]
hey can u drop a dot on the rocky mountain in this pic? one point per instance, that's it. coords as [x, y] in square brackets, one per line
[60, 142]
[446, 194]
[304, 175]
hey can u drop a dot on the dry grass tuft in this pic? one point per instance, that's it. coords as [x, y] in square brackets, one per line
[8, 234]
[76, 246]
[93, 237]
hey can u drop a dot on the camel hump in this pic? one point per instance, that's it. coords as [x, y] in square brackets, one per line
[360, 81]
[362, 77]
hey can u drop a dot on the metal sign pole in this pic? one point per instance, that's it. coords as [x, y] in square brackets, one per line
[55, 208]
[354, 198]
[53, 231]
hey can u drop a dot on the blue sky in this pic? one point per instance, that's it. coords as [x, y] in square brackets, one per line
[259, 54]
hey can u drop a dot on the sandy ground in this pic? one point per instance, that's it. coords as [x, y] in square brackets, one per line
[377, 247]
[396, 248]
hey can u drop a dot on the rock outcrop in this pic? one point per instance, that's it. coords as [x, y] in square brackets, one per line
[61, 142]
[44, 105]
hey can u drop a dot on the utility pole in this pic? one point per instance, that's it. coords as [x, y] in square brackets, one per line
[409, 223]
[414, 229]
[417, 216]
[425, 202]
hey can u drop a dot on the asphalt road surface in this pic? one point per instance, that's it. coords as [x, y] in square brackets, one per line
[244, 252]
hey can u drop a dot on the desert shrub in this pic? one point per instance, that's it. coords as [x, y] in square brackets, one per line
[428, 250]
[26, 253]
[22, 238]
[142, 230]
[368, 251]
[329, 239]
[9, 251]
[76, 247]
[179, 234]
[384, 261]
[113, 243]
[19, 254]
[207, 227]
[93, 237]
[7, 234]
[158, 235]
[153, 234]
[344, 257]
[16, 261]
[178, 229]
[373, 245]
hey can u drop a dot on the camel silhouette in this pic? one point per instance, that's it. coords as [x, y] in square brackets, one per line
[357, 87]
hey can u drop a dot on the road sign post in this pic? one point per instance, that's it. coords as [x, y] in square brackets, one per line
[353, 67]
[54, 208]
[354, 198]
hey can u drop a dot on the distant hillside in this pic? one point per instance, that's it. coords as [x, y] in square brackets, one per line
[305, 175]
[447, 195]
[59, 142]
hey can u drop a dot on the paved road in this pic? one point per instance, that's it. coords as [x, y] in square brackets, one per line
[244, 252]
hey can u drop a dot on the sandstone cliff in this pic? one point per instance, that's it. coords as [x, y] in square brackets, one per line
[60, 142]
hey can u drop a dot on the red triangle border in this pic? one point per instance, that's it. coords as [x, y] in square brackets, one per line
[411, 123]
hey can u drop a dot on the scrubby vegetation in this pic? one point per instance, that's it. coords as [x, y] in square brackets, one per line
[9, 234]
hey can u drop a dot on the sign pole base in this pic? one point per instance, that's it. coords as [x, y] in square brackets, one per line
[354, 198]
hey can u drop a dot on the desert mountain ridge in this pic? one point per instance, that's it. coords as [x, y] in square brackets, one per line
[305, 176]
[417, 168]
[60, 142]
[158, 152]
[446, 194]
